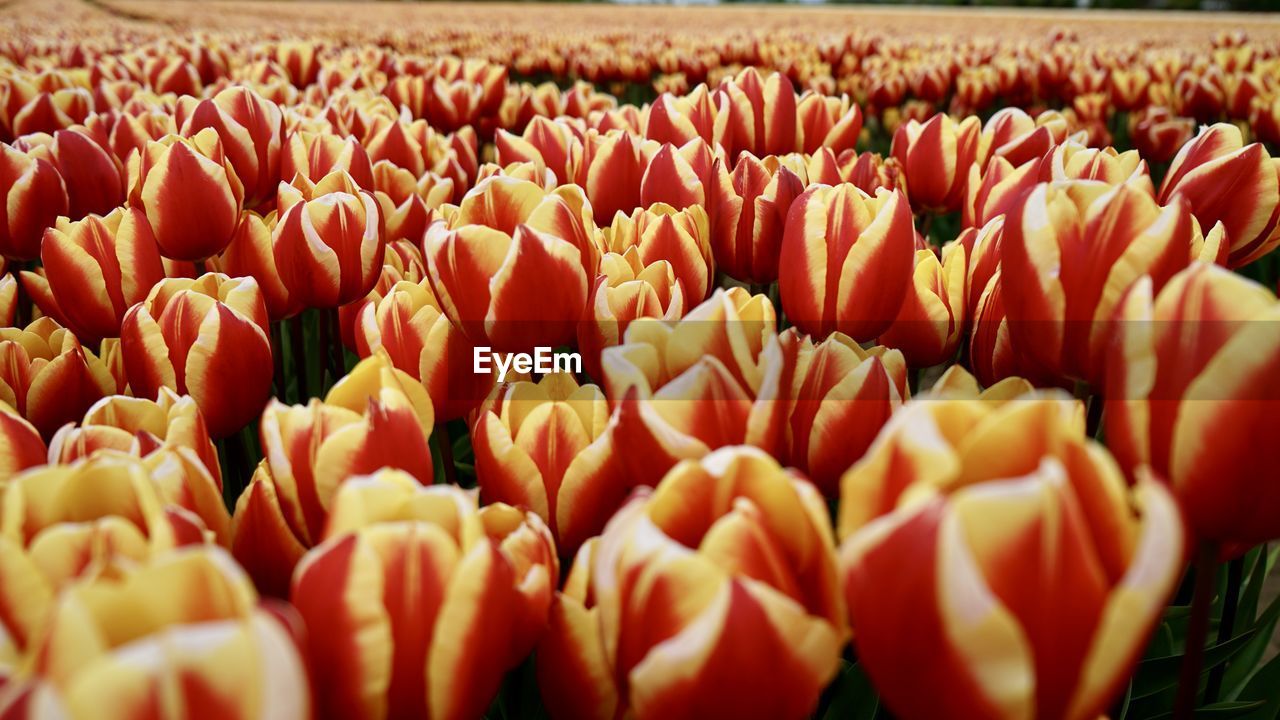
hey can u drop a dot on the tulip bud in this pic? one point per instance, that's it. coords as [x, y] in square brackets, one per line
[992, 192]
[931, 321]
[1073, 161]
[617, 168]
[197, 336]
[190, 194]
[375, 417]
[1198, 354]
[139, 427]
[250, 254]
[508, 243]
[1216, 159]
[680, 237]
[98, 267]
[1014, 135]
[556, 145]
[315, 155]
[526, 442]
[1068, 255]
[980, 515]
[92, 177]
[704, 535]
[192, 614]
[760, 114]
[935, 157]
[327, 243]
[251, 131]
[48, 377]
[105, 514]
[483, 580]
[751, 214]
[33, 196]
[827, 122]
[625, 290]
[408, 204]
[846, 260]
[409, 326]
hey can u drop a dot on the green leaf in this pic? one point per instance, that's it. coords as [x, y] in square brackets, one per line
[854, 697]
[1219, 711]
[1159, 673]
[1263, 686]
[1243, 667]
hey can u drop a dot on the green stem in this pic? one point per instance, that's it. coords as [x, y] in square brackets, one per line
[297, 346]
[1206, 566]
[1226, 626]
[446, 452]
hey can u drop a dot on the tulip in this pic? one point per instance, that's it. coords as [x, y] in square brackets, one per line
[846, 260]
[992, 192]
[833, 397]
[751, 214]
[22, 445]
[408, 204]
[935, 157]
[1199, 354]
[315, 155]
[104, 514]
[403, 262]
[139, 427]
[475, 585]
[53, 111]
[556, 145]
[680, 237]
[748, 548]
[251, 255]
[91, 175]
[98, 267]
[1068, 255]
[196, 337]
[525, 443]
[1031, 556]
[617, 167]
[374, 417]
[48, 377]
[678, 120]
[1017, 137]
[408, 324]
[327, 243]
[759, 114]
[33, 196]
[827, 122]
[931, 321]
[1217, 160]
[509, 242]
[192, 614]
[251, 131]
[190, 194]
[1074, 161]
[679, 176]
[625, 290]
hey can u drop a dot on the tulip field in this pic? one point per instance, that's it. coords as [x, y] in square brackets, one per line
[453, 361]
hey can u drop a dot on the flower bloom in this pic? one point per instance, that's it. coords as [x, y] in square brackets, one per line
[747, 550]
[32, 196]
[1226, 181]
[189, 193]
[98, 267]
[846, 260]
[327, 242]
[49, 377]
[207, 338]
[506, 247]
[1199, 354]
[935, 157]
[419, 601]
[1033, 557]
[374, 417]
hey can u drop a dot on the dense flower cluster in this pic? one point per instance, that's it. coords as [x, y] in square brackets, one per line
[831, 291]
